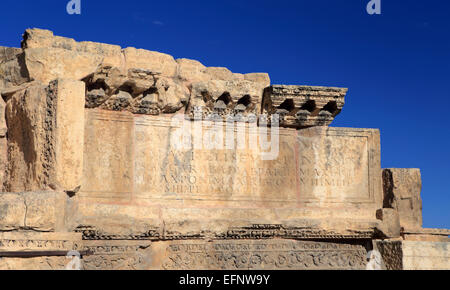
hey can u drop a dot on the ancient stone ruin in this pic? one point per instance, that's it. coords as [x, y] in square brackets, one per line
[91, 162]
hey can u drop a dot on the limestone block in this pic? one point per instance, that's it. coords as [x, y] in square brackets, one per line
[238, 76]
[8, 53]
[44, 210]
[48, 57]
[192, 71]
[69, 97]
[426, 255]
[415, 255]
[12, 211]
[219, 73]
[13, 71]
[46, 133]
[28, 140]
[261, 78]
[402, 189]
[39, 211]
[390, 228]
[150, 60]
[40, 38]
[48, 63]
[33, 38]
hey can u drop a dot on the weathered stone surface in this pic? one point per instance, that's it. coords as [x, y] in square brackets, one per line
[161, 63]
[415, 255]
[3, 127]
[40, 211]
[12, 211]
[40, 38]
[260, 78]
[402, 189]
[117, 255]
[46, 133]
[36, 263]
[135, 161]
[8, 53]
[3, 161]
[426, 255]
[44, 211]
[391, 254]
[48, 57]
[25, 117]
[390, 227]
[224, 99]
[37, 38]
[257, 255]
[12, 68]
[220, 73]
[303, 106]
[46, 64]
[427, 235]
[26, 250]
[192, 71]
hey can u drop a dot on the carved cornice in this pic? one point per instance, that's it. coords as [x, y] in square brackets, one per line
[303, 106]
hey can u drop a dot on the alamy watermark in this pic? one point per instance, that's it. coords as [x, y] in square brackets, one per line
[374, 7]
[375, 261]
[74, 7]
[75, 260]
[215, 133]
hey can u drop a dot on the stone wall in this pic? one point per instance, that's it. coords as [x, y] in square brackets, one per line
[140, 161]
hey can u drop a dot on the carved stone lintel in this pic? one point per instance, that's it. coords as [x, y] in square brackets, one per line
[254, 255]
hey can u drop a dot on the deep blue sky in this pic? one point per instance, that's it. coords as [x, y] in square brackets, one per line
[396, 65]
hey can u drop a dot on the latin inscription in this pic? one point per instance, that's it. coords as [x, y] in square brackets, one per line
[138, 157]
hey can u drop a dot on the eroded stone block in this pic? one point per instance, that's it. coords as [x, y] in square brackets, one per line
[13, 71]
[39, 211]
[390, 227]
[45, 211]
[192, 71]
[161, 63]
[47, 63]
[46, 135]
[415, 255]
[402, 189]
[12, 211]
